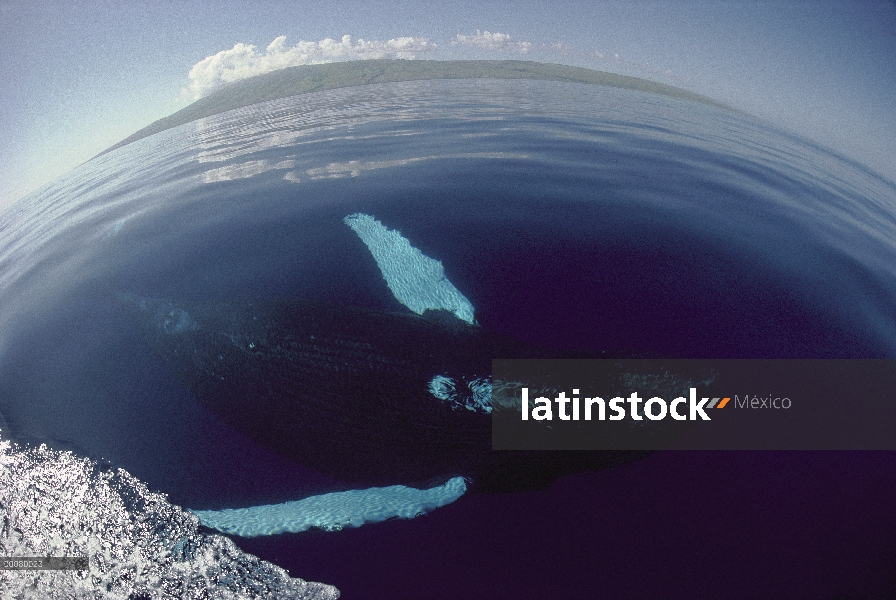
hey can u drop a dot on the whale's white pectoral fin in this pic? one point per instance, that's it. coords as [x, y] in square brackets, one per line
[333, 511]
[416, 280]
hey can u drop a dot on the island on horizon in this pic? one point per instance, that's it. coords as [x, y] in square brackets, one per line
[303, 79]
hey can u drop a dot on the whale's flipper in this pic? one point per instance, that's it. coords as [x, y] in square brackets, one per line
[416, 280]
[334, 511]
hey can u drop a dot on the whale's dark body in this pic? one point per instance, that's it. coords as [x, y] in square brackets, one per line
[346, 390]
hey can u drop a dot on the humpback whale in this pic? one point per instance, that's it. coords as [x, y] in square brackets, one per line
[390, 402]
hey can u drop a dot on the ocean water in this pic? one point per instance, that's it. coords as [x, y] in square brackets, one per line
[570, 216]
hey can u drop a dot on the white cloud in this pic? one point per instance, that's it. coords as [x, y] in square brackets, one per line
[244, 60]
[491, 41]
[564, 48]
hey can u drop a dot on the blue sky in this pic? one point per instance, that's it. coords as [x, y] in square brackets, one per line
[79, 76]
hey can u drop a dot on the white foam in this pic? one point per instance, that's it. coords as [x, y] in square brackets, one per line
[333, 511]
[138, 544]
[474, 394]
[416, 280]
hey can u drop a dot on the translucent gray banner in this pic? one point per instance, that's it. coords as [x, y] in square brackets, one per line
[639, 404]
[44, 563]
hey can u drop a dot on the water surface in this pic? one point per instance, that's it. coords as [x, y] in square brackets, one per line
[571, 216]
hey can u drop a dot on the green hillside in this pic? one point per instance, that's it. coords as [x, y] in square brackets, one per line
[313, 78]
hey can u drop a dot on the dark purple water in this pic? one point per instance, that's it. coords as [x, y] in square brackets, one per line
[677, 525]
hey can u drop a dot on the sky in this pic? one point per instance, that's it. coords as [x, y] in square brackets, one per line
[78, 76]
